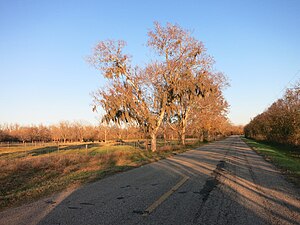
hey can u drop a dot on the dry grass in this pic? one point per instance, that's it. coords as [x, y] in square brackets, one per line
[23, 179]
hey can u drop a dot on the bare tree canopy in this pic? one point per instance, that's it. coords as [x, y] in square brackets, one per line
[173, 81]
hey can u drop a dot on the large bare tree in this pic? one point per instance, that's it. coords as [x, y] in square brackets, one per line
[147, 94]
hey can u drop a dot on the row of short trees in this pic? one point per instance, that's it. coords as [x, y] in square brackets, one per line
[80, 132]
[66, 132]
[177, 89]
[280, 123]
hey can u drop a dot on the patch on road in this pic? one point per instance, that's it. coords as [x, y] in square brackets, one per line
[138, 212]
[86, 203]
[210, 185]
[73, 207]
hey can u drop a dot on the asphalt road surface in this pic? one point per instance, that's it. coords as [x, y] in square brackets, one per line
[224, 182]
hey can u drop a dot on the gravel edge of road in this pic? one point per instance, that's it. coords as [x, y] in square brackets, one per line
[283, 173]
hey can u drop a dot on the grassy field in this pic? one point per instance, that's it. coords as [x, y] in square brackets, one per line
[286, 158]
[30, 173]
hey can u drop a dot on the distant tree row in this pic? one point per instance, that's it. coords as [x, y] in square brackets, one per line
[66, 132]
[79, 132]
[280, 123]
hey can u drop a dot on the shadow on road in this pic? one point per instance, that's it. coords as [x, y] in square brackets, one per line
[228, 184]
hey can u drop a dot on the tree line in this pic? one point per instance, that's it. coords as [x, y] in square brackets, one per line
[280, 123]
[66, 131]
[178, 89]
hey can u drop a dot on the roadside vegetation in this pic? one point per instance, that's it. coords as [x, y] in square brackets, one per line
[285, 157]
[31, 174]
[280, 123]
[275, 133]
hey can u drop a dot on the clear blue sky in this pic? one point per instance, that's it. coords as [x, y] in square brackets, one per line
[43, 44]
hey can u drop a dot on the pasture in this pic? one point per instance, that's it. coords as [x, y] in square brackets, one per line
[35, 170]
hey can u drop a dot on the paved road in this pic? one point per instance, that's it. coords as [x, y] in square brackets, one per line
[220, 183]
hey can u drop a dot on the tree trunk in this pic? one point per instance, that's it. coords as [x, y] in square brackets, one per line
[183, 130]
[183, 138]
[146, 143]
[205, 135]
[184, 124]
[179, 135]
[153, 142]
[200, 136]
[165, 135]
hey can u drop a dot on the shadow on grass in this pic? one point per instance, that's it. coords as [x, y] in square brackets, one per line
[51, 149]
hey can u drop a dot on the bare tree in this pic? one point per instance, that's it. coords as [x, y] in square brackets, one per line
[192, 100]
[145, 95]
[209, 115]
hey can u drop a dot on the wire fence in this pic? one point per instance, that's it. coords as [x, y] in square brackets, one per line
[17, 149]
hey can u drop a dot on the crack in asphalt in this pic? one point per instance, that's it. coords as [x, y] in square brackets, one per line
[209, 186]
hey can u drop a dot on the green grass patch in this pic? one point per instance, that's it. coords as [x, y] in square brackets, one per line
[286, 158]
